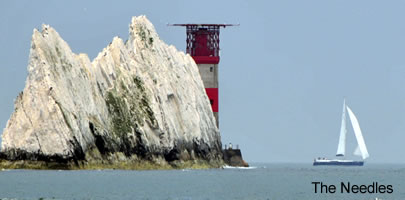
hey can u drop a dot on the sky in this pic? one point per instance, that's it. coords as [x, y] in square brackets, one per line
[283, 72]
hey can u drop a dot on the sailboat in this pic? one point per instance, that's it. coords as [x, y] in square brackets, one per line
[361, 149]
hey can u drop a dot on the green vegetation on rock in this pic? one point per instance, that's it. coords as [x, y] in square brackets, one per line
[144, 37]
[121, 119]
[130, 107]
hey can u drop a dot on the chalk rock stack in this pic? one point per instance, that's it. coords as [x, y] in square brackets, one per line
[139, 101]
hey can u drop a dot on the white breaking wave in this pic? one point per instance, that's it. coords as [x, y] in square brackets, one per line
[231, 167]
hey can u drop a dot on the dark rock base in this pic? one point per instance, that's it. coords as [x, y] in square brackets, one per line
[124, 165]
[179, 157]
[233, 157]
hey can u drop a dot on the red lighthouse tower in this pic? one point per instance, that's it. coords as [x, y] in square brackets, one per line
[203, 46]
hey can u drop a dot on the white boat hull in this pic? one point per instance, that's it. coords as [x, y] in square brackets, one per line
[336, 162]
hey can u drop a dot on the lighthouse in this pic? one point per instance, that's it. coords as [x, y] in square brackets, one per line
[203, 46]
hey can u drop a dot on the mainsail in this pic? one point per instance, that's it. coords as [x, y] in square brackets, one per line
[359, 136]
[342, 138]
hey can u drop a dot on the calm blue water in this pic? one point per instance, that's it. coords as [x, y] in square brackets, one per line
[267, 181]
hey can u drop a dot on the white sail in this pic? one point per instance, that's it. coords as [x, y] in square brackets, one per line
[342, 138]
[357, 132]
[357, 151]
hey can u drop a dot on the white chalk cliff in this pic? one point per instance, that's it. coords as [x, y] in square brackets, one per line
[137, 100]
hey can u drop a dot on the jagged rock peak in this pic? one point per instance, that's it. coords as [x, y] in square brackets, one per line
[138, 101]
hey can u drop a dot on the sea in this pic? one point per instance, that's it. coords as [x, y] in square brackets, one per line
[281, 181]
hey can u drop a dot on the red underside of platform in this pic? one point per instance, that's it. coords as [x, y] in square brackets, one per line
[206, 59]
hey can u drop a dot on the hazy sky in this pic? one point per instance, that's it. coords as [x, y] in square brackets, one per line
[283, 72]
